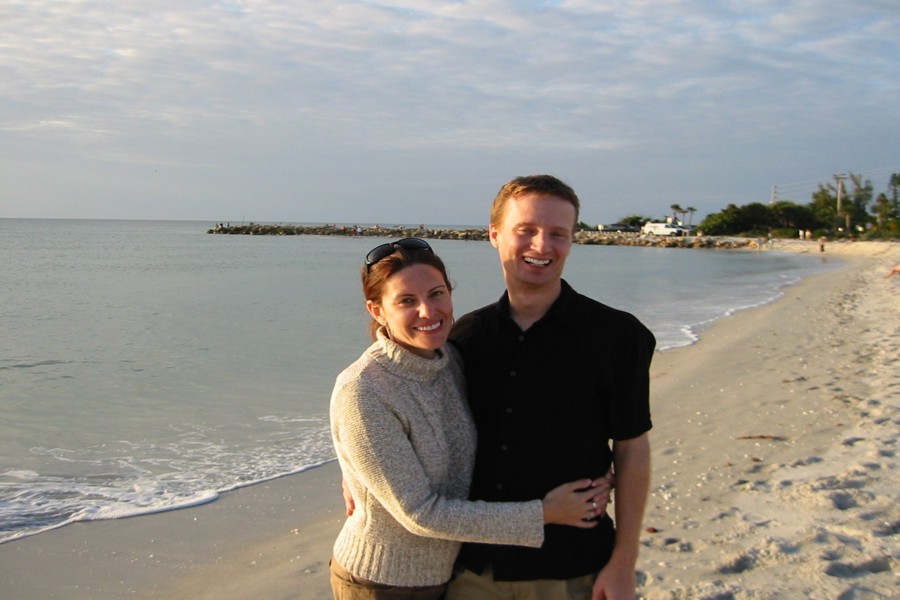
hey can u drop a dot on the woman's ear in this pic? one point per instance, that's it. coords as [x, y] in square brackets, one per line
[375, 310]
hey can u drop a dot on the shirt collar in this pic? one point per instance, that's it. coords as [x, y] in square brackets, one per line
[561, 310]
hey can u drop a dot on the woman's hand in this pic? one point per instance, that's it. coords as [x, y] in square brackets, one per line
[349, 504]
[577, 503]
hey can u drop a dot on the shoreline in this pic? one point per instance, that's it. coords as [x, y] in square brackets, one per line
[268, 540]
[774, 470]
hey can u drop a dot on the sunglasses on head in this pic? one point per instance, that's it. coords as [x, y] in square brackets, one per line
[379, 252]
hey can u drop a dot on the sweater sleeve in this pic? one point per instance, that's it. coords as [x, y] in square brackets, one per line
[381, 465]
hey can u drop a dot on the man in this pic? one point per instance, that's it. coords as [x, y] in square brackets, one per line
[553, 376]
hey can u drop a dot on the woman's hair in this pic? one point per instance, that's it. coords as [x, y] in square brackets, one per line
[547, 185]
[375, 276]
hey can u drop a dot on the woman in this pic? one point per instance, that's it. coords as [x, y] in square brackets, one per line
[406, 444]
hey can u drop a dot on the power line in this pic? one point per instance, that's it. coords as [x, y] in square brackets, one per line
[866, 173]
[795, 188]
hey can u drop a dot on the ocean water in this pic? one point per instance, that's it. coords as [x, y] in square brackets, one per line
[146, 365]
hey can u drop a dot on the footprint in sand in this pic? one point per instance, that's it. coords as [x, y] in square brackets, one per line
[849, 570]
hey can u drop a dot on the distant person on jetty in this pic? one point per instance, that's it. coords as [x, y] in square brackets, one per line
[553, 377]
[405, 441]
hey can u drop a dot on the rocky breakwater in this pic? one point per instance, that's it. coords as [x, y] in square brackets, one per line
[374, 231]
[594, 238]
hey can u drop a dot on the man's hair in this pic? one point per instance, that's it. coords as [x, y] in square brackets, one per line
[532, 184]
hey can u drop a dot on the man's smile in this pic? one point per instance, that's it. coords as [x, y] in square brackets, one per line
[536, 261]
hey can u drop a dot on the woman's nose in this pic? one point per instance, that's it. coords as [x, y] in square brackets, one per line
[426, 309]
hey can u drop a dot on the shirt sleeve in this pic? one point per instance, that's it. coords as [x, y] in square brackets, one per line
[630, 410]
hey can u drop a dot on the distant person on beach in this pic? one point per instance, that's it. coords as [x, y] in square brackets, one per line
[405, 441]
[553, 377]
[895, 270]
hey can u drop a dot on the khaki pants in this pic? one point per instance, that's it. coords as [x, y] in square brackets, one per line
[468, 585]
[346, 586]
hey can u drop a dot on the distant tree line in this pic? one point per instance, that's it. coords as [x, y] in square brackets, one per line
[836, 210]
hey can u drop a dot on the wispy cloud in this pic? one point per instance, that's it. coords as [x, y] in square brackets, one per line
[374, 105]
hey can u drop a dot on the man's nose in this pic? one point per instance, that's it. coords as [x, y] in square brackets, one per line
[541, 241]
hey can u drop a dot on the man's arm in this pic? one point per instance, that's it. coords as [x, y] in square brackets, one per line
[631, 459]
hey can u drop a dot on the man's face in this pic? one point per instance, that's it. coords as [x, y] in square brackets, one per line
[534, 239]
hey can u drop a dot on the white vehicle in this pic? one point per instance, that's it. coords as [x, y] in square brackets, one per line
[662, 229]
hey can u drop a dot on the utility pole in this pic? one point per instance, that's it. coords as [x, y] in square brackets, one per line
[840, 177]
[774, 195]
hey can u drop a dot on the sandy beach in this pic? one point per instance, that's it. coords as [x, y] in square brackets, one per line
[775, 444]
[775, 474]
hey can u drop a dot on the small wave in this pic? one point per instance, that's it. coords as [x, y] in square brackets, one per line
[32, 365]
[133, 477]
[45, 511]
[688, 334]
[22, 474]
[282, 419]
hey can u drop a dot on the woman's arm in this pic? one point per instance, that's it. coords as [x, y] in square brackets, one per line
[554, 512]
[380, 460]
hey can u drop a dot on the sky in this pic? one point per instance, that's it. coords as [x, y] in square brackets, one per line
[413, 111]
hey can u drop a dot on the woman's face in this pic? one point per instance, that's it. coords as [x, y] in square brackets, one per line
[416, 308]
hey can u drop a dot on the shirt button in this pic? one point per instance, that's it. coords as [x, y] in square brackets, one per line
[504, 447]
[521, 338]
[508, 410]
[499, 486]
[512, 373]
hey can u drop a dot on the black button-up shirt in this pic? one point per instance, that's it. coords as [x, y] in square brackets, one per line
[546, 403]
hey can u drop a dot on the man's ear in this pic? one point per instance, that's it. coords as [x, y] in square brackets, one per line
[492, 234]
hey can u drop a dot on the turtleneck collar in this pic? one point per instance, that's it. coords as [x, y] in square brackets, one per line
[400, 361]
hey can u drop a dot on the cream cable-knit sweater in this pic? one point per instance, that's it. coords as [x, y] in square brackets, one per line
[406, 445]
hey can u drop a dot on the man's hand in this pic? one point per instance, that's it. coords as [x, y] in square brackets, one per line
[349, 504]
[615, 583]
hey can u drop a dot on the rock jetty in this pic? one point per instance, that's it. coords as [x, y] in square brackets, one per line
[595, 238]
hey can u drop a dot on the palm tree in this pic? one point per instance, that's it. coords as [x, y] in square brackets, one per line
[691, 210]
[676, 208]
